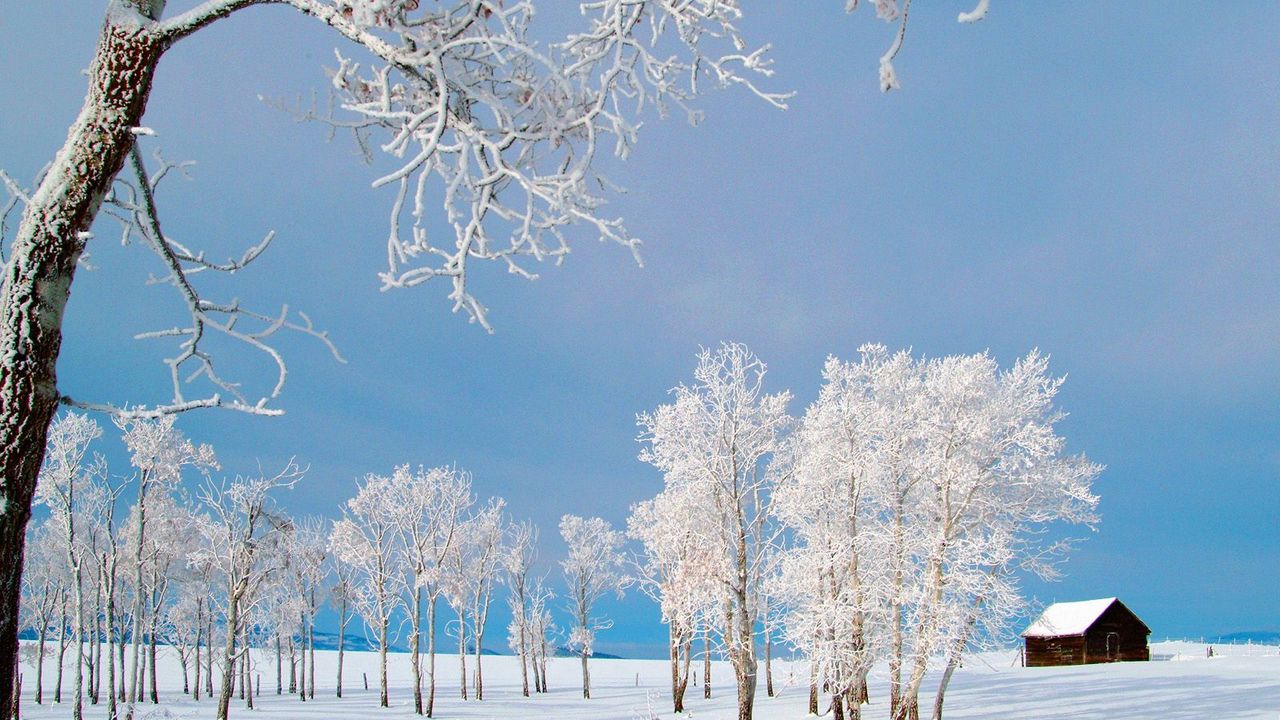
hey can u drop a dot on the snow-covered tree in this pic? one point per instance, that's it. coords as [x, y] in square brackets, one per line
[717, 439]
[341, 598]
[43, 587]
[680, 571]
[306, 570]
[502, 132]
[521, 554]
[592, 569]
[914, 491]
[432, 504]
[469, 578]
[833, 580]
[367, 539]
[67, 472]
[543, 630]
[237, 530]
[995, 479]
[159, 452]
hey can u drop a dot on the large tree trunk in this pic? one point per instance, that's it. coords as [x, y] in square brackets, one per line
[896, 639]
[431, 656]
[39, 666]
[681, 657]
[953, 661]
[111, 656]
[533, 662]
[813, 688]
[524, 653]
[302, 660]
[151, 657]
[246, 683]
[142, 677]
[228, 660]
[342, 637]
[195, 688]
[462, 651]
[311, 652]
[95, 648]
[706, 667]
[62, 651]
[120, 655]
[208, 657]
[479, 639]
[543, 662]
[673, 647]
[746, 693]
[37, 283]
[942, 687]
[384, 701]
[415, 656]
[768, 665]
[586, 675]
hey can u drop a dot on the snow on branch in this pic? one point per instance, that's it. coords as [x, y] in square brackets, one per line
[134, 206]
[503, 132]
[977, 13]
[203, 14]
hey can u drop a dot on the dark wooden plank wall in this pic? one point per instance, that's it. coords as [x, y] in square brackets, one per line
[1128, 643]
[1043, 652]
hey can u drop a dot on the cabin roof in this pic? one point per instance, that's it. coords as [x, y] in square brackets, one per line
[1068, 618]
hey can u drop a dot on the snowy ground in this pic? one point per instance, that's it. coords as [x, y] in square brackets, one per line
[1239, 682]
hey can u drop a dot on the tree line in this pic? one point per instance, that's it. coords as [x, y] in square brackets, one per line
[892, 521]
[218, 572]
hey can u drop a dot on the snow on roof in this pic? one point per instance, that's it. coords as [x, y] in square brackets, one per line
[1068, 618]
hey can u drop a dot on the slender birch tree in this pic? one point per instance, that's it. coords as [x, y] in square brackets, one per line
[432, 504]
[521, 555]
[718, 437]
[68, 474]
[367, 539]
[238, 529]
[679, 570]
[592, 569]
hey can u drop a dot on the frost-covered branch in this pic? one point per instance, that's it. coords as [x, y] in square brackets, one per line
[206, 13]
[503, 132]
[134, 206]
[979, 12]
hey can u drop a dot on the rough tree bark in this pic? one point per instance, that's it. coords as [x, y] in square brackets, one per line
[37, 281]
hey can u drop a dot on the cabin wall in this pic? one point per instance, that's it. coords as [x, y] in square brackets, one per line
[1128, 638]
[1046, 652]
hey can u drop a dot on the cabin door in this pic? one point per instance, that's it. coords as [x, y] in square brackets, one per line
[1113, 647]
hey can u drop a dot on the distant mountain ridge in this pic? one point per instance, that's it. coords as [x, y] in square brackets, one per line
[566, 652]
[357, 642]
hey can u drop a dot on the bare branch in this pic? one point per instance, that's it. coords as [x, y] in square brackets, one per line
[208, 12]
[134, 205]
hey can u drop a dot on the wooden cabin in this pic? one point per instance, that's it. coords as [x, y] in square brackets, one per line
[1089, 631]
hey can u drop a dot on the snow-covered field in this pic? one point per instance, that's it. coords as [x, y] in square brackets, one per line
[1239, 682]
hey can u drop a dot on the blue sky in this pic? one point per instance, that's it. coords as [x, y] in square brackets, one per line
[1099, 180]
